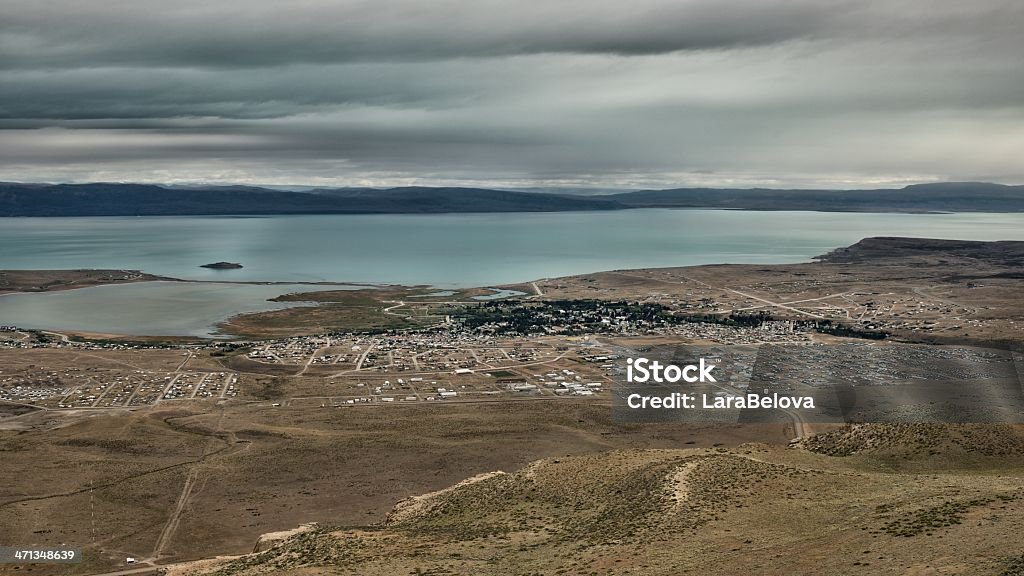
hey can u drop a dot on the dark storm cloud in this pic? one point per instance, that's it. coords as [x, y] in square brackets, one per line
[651, 92]
[261, 33]
[140, 93]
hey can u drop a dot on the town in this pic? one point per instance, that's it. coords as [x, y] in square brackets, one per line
[498, 350]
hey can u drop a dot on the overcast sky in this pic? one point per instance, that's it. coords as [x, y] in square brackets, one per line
[644, 93]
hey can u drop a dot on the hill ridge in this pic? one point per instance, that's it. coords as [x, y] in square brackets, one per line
[127, 199]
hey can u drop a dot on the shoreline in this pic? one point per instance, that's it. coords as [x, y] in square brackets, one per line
[630, 208]
[67, 287]
[843, 284]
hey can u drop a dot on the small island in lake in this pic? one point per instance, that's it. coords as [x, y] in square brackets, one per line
[222, 265]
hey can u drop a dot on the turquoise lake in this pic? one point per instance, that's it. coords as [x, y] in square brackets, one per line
[445, 250]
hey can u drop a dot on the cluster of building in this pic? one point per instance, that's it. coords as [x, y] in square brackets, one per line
[404, 352]
[106, 388]
[577, 317]
[201, 385]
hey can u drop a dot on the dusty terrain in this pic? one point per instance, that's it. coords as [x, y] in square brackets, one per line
[194, 480]
[188, 451]
[754, 509]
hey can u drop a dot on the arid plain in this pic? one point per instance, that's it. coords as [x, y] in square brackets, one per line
[170, 451]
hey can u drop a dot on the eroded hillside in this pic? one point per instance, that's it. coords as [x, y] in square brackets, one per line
[754, 509]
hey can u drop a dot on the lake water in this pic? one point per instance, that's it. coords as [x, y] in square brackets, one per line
[445, 250]
[148, 308]
[449, 250]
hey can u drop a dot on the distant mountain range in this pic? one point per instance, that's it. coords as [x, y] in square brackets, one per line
[113, 199]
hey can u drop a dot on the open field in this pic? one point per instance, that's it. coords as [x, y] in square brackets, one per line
[177, 451]
[755, 509]
[199, 472]
[176, 456]
[241, 469]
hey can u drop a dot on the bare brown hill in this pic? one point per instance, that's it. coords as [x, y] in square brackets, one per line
[754, 509]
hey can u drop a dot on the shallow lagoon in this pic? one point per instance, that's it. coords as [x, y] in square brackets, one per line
[146, 308]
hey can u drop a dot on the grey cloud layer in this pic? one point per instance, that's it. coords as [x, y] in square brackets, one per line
[260, 33]
[651, 91]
